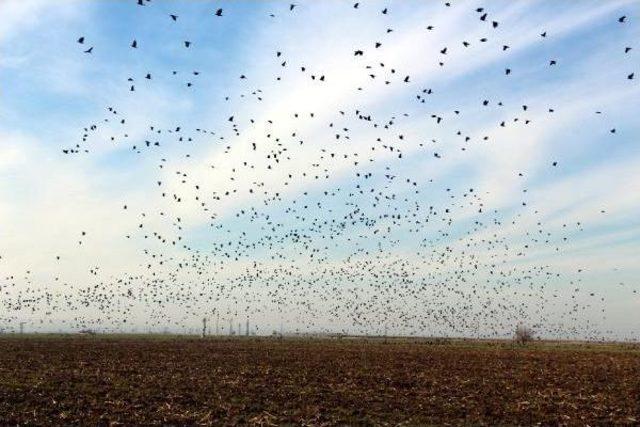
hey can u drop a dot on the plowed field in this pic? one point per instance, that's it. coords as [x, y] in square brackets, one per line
[113, 381]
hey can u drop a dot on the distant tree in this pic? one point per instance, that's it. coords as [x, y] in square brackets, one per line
[524, 334]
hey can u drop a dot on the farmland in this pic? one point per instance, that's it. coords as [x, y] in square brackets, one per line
[116, 380]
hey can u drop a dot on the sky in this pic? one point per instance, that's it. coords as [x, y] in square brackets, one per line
[303, 266]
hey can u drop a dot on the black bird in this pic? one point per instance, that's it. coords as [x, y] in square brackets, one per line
[219, 12]
[308, 229]
[81, 40]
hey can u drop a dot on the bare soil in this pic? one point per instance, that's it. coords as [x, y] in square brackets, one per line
[258, 381]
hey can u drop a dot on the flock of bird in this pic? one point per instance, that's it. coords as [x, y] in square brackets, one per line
[363, 254]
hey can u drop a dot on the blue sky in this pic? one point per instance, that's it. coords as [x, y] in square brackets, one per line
[50, 90]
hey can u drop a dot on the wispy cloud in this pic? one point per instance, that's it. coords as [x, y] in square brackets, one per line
[58, 97]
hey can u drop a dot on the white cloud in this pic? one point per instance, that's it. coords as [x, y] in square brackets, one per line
[51, 198]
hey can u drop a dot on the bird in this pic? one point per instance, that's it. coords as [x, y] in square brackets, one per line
[301, 196]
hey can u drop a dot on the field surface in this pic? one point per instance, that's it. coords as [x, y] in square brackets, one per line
[178, 381]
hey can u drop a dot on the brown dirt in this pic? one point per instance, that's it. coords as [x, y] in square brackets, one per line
[94, 380]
